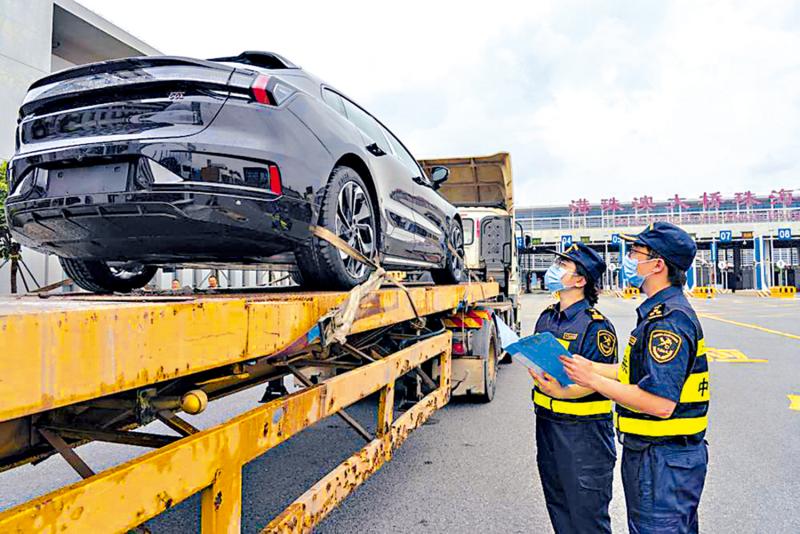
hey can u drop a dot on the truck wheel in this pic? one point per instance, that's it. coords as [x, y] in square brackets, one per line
[453, 271]
[346, 211]
[489, 371]
[103, 277]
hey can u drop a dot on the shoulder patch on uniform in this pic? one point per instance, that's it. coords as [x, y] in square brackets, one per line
[606, 342]
[656, 312]
[569, 336]
[632, 341]
[595, 315]
[664, 345]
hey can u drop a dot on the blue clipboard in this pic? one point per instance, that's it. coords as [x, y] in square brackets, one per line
[540, 352]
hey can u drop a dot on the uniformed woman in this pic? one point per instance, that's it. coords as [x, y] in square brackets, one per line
[575, 450]
[661, 388]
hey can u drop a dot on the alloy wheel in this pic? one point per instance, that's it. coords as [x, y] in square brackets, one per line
[126, 270]
[355, 225]
[457, 242]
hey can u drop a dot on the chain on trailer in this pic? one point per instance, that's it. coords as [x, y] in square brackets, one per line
[81, 505]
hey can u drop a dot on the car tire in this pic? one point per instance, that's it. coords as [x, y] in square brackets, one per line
[453, 271]
[99, 277]
[347, 211]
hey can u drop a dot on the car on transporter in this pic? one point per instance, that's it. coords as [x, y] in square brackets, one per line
[127, 165]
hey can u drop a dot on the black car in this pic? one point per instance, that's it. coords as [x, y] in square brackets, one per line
[127, 165]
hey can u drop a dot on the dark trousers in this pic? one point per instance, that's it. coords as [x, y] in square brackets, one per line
[663, 484]
[576, 466]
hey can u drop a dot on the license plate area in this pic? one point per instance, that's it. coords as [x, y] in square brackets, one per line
[107, 178]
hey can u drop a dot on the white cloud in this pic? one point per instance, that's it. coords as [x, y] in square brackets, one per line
[591, 99]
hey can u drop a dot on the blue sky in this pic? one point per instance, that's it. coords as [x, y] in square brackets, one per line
[592, 99]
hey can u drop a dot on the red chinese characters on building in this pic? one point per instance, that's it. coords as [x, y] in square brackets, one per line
[711, 201]
[677, 202]
[580, 206]
[783, 196]
[643, 203]
[610, 205]
[748, 199]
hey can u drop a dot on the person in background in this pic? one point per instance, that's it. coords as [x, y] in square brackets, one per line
[661, 388]
[575, 451]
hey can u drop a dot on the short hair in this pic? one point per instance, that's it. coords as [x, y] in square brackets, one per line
[591, 291]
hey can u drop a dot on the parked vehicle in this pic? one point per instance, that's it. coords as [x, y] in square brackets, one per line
[127, 165]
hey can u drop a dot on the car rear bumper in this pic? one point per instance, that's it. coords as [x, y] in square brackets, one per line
[169, 226]
[180, 203]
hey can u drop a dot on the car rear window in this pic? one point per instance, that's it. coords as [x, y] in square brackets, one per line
[366, 124]
[334, 101]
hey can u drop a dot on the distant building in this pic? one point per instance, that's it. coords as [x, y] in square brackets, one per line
[748, 240]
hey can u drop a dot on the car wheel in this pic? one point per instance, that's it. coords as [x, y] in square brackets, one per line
[347, 211]
[107, 277]
[453, 272]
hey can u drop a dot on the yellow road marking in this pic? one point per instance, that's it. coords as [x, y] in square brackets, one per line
[730, 356]
[748, 325]
[794, 402]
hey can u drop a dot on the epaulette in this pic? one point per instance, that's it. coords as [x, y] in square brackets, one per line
[595, 315]
[656, 312]
[552, 307]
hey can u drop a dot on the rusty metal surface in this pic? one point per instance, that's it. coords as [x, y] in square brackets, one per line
[59, 352]
[211, 460]
[316, 503]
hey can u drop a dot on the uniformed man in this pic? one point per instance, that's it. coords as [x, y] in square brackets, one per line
[575, 450]
[661, 388]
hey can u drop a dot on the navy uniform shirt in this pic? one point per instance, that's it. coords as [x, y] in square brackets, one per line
[663, 348]
[582, 330]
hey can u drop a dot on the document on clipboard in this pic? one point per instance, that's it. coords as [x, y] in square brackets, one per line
[540, 352]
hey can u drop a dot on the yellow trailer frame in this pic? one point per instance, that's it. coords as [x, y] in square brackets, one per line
[65, 352]
[61, 352]
[211, 461]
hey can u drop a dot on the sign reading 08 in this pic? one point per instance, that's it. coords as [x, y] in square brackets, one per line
[784, 234]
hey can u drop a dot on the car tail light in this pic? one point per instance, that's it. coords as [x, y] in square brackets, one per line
[275, 180]
[458, 347]
[477, 228]
[260, 92]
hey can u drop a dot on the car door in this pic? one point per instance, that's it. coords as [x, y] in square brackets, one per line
[393, 184]
[430, 209]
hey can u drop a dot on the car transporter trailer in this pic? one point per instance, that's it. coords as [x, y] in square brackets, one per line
[79, 368]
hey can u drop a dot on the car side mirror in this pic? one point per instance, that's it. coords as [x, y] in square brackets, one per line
[439, 175]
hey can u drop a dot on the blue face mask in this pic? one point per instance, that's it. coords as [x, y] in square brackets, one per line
[552, 278]
[630, 269]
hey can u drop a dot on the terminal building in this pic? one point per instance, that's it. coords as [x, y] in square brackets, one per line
[745, 241]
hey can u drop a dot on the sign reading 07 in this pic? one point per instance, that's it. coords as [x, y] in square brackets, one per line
[725, 236]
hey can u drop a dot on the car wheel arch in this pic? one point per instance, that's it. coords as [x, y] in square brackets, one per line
[357, 164]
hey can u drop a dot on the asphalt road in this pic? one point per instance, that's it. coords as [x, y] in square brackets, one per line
[471, 468]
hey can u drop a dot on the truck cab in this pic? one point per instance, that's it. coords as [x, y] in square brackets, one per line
[481, 189]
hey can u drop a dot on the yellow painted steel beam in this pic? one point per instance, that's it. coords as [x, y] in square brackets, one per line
[211, 460]
[63, 352]
[316, 503]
